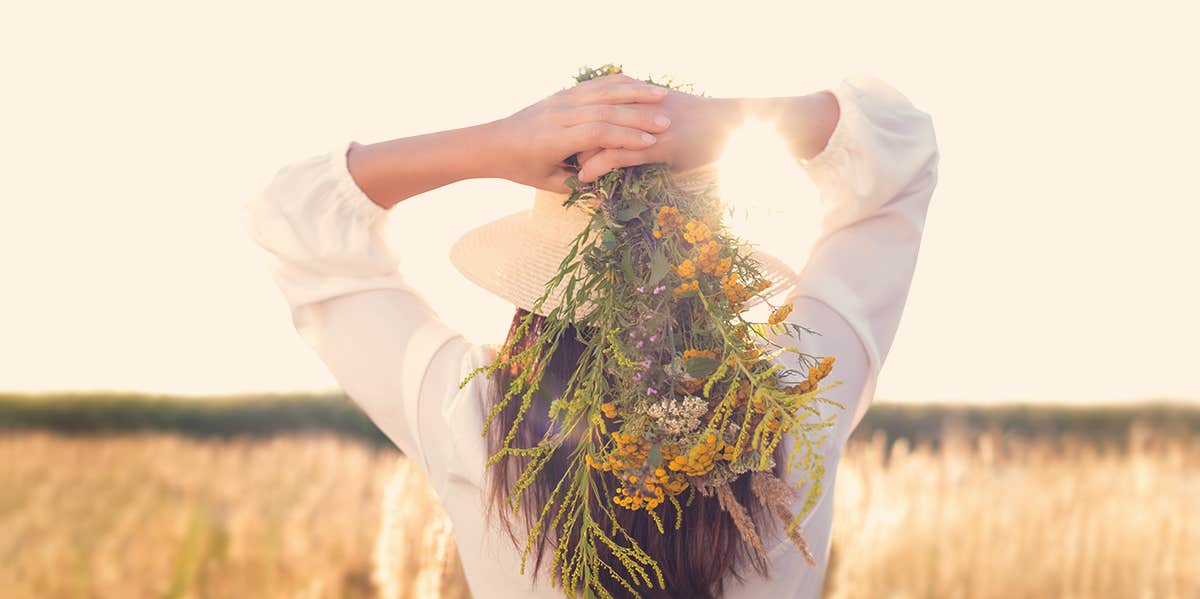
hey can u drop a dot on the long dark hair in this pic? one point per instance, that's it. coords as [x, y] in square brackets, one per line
[694, 559]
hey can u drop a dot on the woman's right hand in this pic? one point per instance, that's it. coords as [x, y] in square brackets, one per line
[612, 111]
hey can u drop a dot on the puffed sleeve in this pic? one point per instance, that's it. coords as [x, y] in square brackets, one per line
[348, 297]
[875, 178]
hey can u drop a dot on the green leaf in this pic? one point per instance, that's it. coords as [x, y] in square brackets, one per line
[630, 213]
[627, 264]
[608, 240]
[655, 456]
[700, 366]
[658, 267]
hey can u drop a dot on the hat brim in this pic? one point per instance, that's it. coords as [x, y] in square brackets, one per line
[514, 259]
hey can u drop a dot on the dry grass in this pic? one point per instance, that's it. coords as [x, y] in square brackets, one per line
[990, 518]
[163, 516]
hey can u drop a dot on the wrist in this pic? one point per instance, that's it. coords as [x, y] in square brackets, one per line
[805, 122]
[491, 149]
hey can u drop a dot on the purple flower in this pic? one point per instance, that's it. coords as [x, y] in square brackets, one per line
[657, 289]
[646, 362]
[637, 377]
[641, 289]
[651, 391]
[651, 339]
[639, 343]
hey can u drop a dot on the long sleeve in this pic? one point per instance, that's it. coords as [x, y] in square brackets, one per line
[348, 297]
[875, 178]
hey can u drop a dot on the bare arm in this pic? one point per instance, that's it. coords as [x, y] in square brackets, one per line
[527, 147]
[392, 171]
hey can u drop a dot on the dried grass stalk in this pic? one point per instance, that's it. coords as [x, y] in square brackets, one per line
[776, 495]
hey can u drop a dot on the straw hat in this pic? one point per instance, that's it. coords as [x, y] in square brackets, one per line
[516, 255]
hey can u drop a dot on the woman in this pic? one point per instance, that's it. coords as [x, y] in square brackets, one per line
[872, 155]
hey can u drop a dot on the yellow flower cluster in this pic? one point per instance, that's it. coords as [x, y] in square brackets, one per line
[609, 409]
[708, 259]
[736, 293]
[631, 451]
[815, 374]
[686, 286]
[779, 314]
[699, 460]
[696, 232]
[688, 354]
[686, 269]
[640, 486]
[654, 488]
[820, 371]
[669, 219]
[733, 289]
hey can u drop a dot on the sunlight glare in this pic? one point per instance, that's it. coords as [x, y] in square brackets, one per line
[773, 202]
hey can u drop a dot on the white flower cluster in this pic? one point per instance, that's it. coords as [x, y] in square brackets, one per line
[678, 417]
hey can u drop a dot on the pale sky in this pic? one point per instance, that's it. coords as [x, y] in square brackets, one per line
[1060, 255]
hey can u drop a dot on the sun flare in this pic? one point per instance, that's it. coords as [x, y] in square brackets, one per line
[773, 202]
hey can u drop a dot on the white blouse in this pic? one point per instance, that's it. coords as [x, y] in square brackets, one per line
[385, 345]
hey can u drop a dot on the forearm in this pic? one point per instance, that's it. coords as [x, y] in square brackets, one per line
[390, 172]
[805, 122]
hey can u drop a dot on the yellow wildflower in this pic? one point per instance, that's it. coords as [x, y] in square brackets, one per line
[708, 259]
[734, 290]
[668, 219]
[696, 232]
[686, 286]
[779, 314]
[686, 269]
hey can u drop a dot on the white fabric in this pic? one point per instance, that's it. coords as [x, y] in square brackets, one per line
[351, 302]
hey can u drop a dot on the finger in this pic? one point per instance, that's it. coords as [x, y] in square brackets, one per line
[604, 80]
[565, 95]
[619, 93]
[638, 117]
[557, 182]
[597, 134]
[609, 159]
[587, 155]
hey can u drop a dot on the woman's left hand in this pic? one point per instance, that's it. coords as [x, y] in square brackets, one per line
[699, 128]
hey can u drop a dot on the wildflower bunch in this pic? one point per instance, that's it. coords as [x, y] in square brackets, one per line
[673, 392]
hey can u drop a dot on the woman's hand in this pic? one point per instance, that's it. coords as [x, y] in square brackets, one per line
[700, 126]
[610, 112]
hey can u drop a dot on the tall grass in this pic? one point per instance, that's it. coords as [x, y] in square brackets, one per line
[166, 516]
[976, 515]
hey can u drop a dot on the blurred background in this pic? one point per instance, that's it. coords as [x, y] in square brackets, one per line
[165, 432]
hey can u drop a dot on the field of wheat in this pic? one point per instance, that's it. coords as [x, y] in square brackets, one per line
[984, 515]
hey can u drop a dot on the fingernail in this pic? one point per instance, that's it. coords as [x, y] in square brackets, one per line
[646, 137]
[662, 121]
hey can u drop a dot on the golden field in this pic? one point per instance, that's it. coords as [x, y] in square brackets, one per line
[317, 515]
